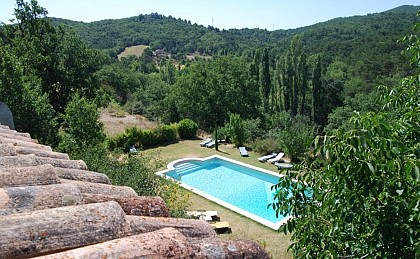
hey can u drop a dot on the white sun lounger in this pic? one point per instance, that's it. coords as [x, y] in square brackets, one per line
[205, 142]
[211, 144]
[266, 157]
[277, 158]
[283, 165]
[243, 151]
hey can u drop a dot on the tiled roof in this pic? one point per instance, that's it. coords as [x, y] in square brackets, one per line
[54, 207]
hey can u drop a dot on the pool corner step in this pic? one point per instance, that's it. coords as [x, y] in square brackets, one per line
[186, 168]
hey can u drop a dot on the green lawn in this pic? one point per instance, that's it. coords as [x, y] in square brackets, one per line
[133, 50]
[275, 243]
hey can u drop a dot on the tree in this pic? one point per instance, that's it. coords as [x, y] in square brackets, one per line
[62, 62]
[294, 70]
[236, 130]
[265, 80]
[360, 197]
[295, 53]
[278, 95]
[147, 65]
[168, 72]
[31, 110]
[331, 91]
[296, 139]
[147, 99]
[208, 91]
[316, 91]
[120, 81]
[82, 127]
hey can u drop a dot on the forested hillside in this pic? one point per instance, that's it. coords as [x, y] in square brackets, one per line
[352, 38]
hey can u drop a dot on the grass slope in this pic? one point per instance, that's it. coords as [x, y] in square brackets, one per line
[133, 50]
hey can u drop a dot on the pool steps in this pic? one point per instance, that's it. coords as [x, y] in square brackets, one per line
[186, 168]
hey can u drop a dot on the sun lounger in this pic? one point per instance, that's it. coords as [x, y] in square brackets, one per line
[221, 227]
[266, 157]
[243, 151]
[205, 142]
[277, 158]
[283, 165]
[207, 215]
[211, 144]
[133, 149]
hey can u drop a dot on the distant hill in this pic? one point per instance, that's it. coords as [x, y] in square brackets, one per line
[371, 39]
[180, 35]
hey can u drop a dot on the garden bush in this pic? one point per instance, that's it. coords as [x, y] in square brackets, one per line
[296, 139]
[130, 137]
[187, 129]
[149, 138]
[236, 130]
[142, 138]
[265, 146]
[166, 134]
[176, 198]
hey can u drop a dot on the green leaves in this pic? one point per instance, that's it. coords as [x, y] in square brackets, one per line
[187, 129]
[365, 186]
[208, 91]
[81, 125]
[31, 109]
[236, 130]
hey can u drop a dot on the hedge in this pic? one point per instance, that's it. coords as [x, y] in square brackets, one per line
[142, 138]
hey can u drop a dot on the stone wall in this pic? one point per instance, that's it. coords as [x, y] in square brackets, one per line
[6, 117]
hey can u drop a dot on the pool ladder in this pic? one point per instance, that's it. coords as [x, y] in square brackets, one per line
[186, 168]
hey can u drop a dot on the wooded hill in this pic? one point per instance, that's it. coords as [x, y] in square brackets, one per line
[371, 38]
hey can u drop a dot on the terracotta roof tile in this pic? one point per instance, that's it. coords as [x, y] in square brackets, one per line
[50, 204]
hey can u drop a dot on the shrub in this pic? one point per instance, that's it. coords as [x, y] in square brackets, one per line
[254, 129]
[222, 133]
[66, 143]
[165, 134]
[187, 129]
[149, 138]
[134, 171]
[116, 141]
[176, 198]
[265, 146]
[130, 137]
[81, 124]
[115, 109]
[296, 139]
[142, 138]
[236, 129]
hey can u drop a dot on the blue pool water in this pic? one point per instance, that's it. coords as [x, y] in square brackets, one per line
[243, 187]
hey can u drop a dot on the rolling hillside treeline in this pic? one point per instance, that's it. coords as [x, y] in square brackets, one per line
[354, 39]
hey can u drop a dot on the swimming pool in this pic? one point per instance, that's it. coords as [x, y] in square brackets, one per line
[240, 187]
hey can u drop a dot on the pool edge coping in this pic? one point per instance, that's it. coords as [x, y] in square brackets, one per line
[267, 223]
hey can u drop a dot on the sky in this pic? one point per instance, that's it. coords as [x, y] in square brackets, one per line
[223, 14]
